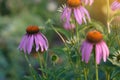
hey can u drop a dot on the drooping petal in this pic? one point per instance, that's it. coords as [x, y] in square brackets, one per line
[66, 14]
[25, 44]
[69, 15]
[106, 48]
[98, 51]
[103, 52]
[80, 14]
[20, 47]
[86, 51]
[37, 43]
[82, 49]
[40, 42]
[30, 43]
[77, 15]
[86, 13]
[83, 15]
[45, 41]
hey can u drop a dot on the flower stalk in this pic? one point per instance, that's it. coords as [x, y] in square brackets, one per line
[85, 73]
[108, 16]
[107, 76]
[42, 64]
[96, 69]
[31, 68]
[96, 66]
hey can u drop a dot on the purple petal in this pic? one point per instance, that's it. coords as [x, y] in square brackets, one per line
[82, 50]
[36, 43]
[66, 14]
[83, 14]
[30, 43]
[89, 48]
[45, 41]
[25, 44]
[106, 48]
[22, 42]
[78, 15]
[40, 42]
[86, 12]
[86, 51]
[98, 51]
[69, 14]
[103, 52]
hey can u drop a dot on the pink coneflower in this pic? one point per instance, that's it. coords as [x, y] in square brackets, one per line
[75, 7]
[115, 5]
[94, 39]
[33, 40]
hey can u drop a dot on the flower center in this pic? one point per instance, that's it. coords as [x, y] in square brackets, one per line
[74, 3]
[94, 36]
[32, 29]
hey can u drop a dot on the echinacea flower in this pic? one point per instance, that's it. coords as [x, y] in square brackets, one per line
[33, 40]
[115, 5]
[79, 12]
[94, 40]
[115, 60]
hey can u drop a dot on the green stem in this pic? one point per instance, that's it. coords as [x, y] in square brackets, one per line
[108, 16]
[96, 66]
[77, 31]
[41, 61]
[31, 68]
[107, 76]
[85, 73]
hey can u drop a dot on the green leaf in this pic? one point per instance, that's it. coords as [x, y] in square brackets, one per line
[115, 73]
[92, 26]
[63, 31]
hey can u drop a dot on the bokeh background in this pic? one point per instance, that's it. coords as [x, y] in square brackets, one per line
[16, 15]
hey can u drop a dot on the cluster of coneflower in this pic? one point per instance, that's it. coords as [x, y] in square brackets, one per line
[74, 10]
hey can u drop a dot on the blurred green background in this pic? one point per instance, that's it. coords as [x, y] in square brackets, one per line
[16, 15]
